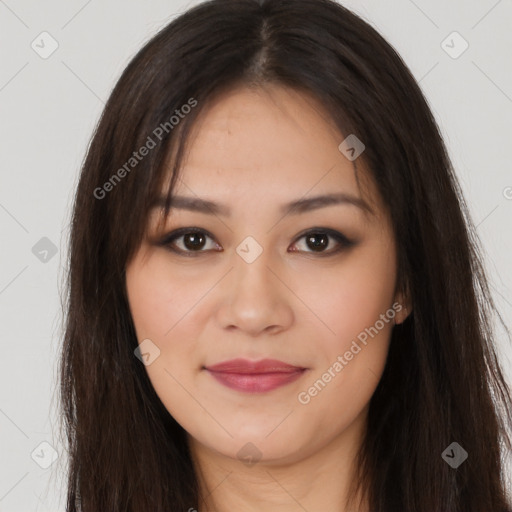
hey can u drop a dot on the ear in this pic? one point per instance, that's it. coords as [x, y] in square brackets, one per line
[402, 306]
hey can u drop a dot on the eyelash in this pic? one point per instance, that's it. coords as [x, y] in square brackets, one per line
[343, 241]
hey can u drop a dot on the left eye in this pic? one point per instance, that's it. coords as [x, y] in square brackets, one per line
[319, 239]
[194, 240]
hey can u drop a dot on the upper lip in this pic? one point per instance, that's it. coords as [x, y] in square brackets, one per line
[245, 366]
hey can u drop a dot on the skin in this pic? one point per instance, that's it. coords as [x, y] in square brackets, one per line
[254, 150]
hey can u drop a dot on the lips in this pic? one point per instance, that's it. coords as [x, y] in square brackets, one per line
[255, 376]
[246, 366]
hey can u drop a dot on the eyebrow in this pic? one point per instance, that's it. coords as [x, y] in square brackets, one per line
[195, 204]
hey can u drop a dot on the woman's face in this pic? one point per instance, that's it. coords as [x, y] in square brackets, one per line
[258, 281]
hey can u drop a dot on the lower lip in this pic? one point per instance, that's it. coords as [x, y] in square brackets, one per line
[256, 382]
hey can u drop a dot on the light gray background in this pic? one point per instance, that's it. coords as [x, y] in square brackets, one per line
[49, 107]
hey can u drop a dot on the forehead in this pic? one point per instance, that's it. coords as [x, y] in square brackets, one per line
[251, 134]
[267, 144]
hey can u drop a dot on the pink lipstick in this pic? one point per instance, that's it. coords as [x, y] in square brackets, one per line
[255, 376]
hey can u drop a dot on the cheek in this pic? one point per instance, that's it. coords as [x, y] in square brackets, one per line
[355, 302]
[159, 300]
[352, 296]
[161, 303]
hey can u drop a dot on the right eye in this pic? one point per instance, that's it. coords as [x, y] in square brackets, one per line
[187, 241]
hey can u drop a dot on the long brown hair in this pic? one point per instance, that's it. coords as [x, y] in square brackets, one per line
[442, 382]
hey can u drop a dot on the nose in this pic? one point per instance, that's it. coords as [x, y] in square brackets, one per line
[253, 298]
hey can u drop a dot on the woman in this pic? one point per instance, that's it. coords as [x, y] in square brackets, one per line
[276, 298]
